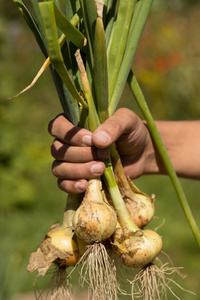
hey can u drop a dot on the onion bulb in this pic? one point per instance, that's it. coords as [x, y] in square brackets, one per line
[64, 240]
[139, 205]
[136, 249]
[95, 220]
[141, 208]
[59, 246]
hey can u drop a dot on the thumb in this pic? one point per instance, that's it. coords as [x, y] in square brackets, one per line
[111, 130]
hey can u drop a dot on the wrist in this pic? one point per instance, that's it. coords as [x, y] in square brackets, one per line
[148, 160]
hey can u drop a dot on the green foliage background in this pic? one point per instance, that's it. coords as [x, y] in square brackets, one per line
[167, 65]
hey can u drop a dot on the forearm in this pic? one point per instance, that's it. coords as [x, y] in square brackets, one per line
[182, 142]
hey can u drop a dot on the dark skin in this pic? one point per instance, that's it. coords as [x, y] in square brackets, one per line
[79, 153]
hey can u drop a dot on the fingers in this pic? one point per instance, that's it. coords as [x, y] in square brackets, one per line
[75, 158]
[72, 176]
[73, 186]
[71, 171]
[64, 152]
[78, 152]
[65, 131]
[122, 122]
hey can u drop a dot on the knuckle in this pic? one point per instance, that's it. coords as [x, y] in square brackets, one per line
[115, 123]
[113, 128]
[55, 123]
[87, 154]
[68, 186]
[127, 118]
[125, 112]
[55, 149]
[55, 168]
[62, 184]
[51, 127]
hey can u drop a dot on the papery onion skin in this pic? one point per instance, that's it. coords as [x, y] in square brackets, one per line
[139, 205]
[141, 208]
[95, 223]
[64, 240]
[95, 220]
[138, 249]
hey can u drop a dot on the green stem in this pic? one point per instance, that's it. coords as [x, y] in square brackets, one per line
[123, 215]
[93, 118]
[94, 122]
[136, 90]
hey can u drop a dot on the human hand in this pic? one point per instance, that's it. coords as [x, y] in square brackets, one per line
[79, 153]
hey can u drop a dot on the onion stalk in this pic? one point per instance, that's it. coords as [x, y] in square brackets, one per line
[127, 224]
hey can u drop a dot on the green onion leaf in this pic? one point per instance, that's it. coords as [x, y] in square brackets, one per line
[49, 23]
[132, 44]
[32, 25]
[100, 70]
[118, 42]
[70, 31]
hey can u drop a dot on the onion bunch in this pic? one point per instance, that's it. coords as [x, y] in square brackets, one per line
[90, 46]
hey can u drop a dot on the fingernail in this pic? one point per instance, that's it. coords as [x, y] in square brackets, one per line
[80, 186]
[103, 153]
[103, 137]
[87, 140]
[97, 169]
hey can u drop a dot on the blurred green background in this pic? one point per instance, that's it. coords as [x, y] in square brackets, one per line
[167, 65]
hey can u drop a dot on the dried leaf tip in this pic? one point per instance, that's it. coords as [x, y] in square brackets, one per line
[99, 7]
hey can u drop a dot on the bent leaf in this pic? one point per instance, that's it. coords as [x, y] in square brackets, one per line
[70, 31]
[40, 72]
